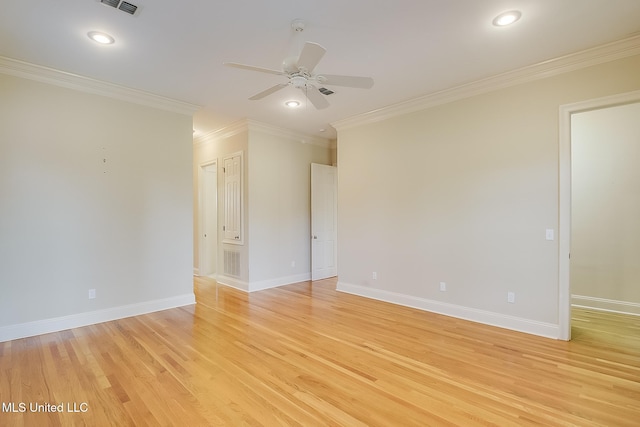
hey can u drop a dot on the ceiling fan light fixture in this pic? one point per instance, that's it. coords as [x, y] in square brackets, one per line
[507, 18]
[101, 38]
[292, 104]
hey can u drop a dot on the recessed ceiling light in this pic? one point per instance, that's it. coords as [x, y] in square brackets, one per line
[101, 38]
[507, 18]
[292, 104]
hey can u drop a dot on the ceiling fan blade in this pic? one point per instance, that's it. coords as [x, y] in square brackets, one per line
[269, 91]
[252, 68]
[311, 54]
[347, 81]
[317, 99]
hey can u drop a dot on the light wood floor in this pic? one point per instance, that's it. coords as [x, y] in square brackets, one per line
[307, 355]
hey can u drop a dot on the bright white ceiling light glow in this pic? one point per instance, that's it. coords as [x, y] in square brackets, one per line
[101, 38]
[292, 104]
[507, 18]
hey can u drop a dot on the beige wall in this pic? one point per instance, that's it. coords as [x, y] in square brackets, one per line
[462, 193]
[70, 222]
[605, 239]
[280, 214]
[277, 201]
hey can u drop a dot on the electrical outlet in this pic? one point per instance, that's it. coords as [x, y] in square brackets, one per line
[374, 275]
[549, 234]
[443, 287]
[92, 293]
[511, 297]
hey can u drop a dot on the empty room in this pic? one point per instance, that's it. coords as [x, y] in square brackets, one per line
[297, 213]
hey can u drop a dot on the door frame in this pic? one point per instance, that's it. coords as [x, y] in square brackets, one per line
[202, 253]
[564, 197]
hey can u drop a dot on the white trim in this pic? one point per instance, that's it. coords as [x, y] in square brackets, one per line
[547, 330]
[232, 283]
[39, 327]
[233, 129]
[280, 281]
[564, 225]
[603, 304]
[262, 284]
[564, 197]
[288, 134]
[55, 77]
[246, 125]
[196, 271]
[590, 57]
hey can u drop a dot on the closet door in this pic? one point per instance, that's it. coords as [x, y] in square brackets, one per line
[233, 206]
[324, 239]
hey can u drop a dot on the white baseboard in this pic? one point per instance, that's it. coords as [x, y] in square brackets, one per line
[232, 282]
[603, 304]
[262, 284]
[543, 329]
[39, 327]
[280, 281]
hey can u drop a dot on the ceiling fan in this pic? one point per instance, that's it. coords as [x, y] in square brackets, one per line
[300, 74]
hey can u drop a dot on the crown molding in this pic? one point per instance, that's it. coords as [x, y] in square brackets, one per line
[222, 133]
[287, 133]
[55, 77]
[247, 125]
[228, 131]
[598, 55]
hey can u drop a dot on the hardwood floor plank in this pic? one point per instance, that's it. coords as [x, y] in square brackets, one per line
[306, 355]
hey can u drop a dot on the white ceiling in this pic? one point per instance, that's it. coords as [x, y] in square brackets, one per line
[175, 48]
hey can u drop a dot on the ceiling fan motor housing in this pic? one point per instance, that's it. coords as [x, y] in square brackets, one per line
[299, 82]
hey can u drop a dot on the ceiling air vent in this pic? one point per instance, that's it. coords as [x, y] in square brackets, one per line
[124, 6]
[325, 91]
[128, 7]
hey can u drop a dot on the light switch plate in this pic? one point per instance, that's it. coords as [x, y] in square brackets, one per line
[550, 234]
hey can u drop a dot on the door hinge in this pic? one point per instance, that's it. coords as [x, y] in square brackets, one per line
[224, 227]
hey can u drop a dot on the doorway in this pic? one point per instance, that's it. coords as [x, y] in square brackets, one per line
[567, 115]
[208, 220]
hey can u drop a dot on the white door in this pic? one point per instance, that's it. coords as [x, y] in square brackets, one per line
[324, 255]
[233, 209]
[208, 220]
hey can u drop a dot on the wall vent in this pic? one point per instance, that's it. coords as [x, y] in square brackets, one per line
[231, 263]
[325, 91]
[124, 6]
